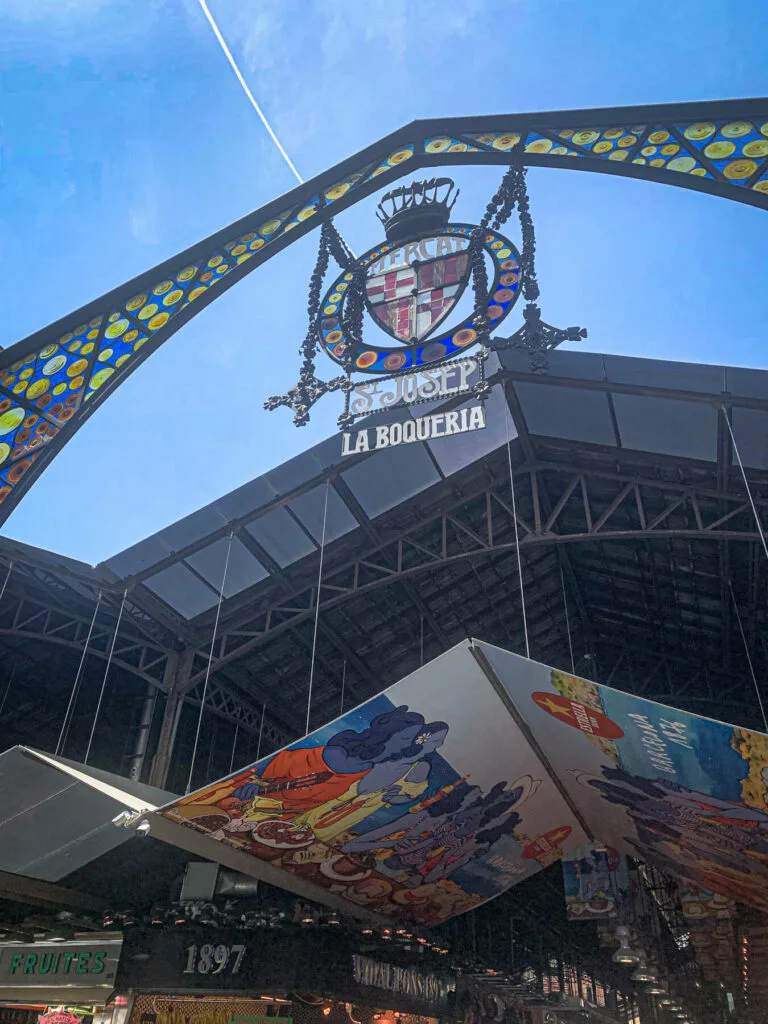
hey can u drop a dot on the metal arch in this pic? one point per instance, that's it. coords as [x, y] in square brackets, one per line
[479, 526]
[548, 139]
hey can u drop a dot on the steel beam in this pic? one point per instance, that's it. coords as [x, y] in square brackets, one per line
[578, 516]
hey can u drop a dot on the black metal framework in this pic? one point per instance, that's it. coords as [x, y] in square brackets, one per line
[551, 139]
[646, 545]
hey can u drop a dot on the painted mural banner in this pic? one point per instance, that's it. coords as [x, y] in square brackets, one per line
[685, 793]
[596, 882]
[430, 798]
[421, 804]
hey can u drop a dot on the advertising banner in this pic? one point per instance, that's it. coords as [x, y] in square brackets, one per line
[482, 767]
[422, 803]
[683, 792]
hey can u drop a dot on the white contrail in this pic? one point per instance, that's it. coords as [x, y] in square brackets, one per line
[247, 91]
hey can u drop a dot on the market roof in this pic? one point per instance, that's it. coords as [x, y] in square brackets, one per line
[626, 483]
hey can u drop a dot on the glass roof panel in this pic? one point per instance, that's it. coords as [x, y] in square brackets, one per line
[747, 383]
[192, 528]
[566, 412]
[750, 428]
[294, 472]
[698, 377]
[246, 499]
[310, 507]
[182, 590]
[394, 475]
[140, 556]
[243, 570]
[562, 363]
[687, 429]
[453, 453]
[281, 537]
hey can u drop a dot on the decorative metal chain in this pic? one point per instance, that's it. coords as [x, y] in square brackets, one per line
[535, 337]
[303, 395]
[479, 272]
[339, 248]
[528, 253]
[352, 325]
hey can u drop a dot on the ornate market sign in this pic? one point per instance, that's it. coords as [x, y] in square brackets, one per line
[411, 285]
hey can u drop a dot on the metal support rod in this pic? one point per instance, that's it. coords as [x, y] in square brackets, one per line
[517, 536]
[5, 581]
[261, 731]
[76, 685]
[8, 688]
[234, 747]
[749, 658]
[746, 482]
[104, 680]
[567, 621]
[210, 660]
[317, 605]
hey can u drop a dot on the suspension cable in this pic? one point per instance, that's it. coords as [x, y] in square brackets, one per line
[317, 604]
[210, 662]
[76, 685]
[261, 731]
[749, 658]
[5, 581]
[567, 621]
[517, 535]
[746, 482]
[104, 680]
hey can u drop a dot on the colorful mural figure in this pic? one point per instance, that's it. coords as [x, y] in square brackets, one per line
[397, 809]
[439, 839]
[429, 799]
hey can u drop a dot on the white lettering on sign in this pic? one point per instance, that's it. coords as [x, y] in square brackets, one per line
[655, 746]
[449, 379]
[426, 249]
[402, 980]
[425, 428]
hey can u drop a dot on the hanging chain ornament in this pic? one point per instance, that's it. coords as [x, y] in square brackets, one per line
[303, 395]
[418, 217]
[536, 338]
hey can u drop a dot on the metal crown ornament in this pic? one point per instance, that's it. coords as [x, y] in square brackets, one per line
[411, 284]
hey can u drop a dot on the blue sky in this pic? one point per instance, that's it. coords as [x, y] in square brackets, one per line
[125, 137]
